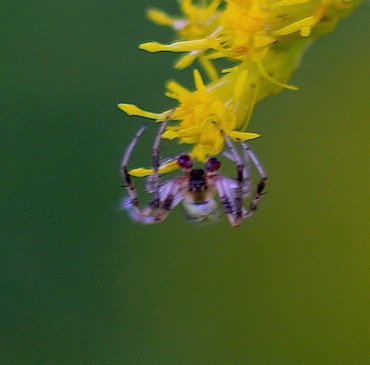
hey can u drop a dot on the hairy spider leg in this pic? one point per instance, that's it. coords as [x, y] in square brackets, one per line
[221, 184]
[149, 183]
[170, 200]
[127, 180]
[169, 196]
[262, 183]
[240, 169]
[165, 196]
[234, 208]
[156, 160]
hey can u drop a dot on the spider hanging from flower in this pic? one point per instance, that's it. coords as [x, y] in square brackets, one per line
[196, 188]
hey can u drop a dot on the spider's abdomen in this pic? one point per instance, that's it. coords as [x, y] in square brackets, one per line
[201, 211]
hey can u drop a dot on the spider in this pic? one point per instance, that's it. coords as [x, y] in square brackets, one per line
[196, 188]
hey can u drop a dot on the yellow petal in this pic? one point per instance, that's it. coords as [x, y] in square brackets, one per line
[176, 88]
[164, 169]
[187, 60]
[182, 133]
[170, 135]
[186, 46]
[132, 109]
[242, 136]
[152, 47]
[209, 67]
[141, 172]
[291, 2]
[199, 84]
[295, 27]
[186, 6]
[305, 25]
[159, 17]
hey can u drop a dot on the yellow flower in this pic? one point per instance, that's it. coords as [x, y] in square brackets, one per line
[247, 28]
[203, 114]
[224, 104]
[263, 41]
[199, 19]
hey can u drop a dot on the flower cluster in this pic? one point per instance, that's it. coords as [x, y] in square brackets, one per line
[262, 40]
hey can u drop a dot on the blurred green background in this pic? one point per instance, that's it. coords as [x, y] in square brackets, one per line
[82, 284]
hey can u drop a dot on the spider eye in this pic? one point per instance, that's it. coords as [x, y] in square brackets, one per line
[185, 161]
[213, 164]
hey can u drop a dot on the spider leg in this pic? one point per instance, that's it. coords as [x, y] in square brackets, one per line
[247, 172]
[223, 190]
[166, 196]
[127, 181]
[149, 184]
[136, 214]
[262, 182]
[240, 170]
[169, 198]
[156, 160]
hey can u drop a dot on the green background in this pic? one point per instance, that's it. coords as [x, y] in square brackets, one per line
[82, 284]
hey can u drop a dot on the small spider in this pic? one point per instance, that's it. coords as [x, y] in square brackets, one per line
[196, 188]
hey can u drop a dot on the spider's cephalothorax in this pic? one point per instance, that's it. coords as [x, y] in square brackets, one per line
[196, 188]
[197, 182]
